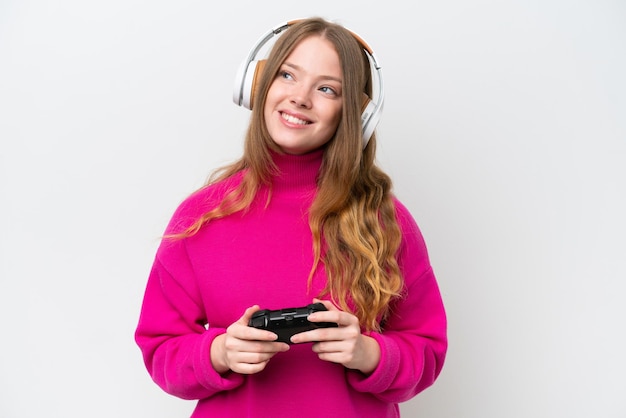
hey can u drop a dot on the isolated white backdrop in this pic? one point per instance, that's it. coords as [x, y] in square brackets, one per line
[504, 130]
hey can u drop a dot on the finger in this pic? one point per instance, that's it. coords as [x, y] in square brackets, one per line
[244, 332]
[251, 352]
[258, 355]
[338, 357]
[330, 315]
[336, 317]
[319, 334]
[241, 330]
[248, 368]
[265, 349]
[328, 347]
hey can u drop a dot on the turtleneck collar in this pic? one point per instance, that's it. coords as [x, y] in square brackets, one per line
[297, 172]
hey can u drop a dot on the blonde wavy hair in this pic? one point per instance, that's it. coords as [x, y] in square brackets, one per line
[352, 219]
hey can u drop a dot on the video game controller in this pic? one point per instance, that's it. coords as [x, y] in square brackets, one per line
[290, 321]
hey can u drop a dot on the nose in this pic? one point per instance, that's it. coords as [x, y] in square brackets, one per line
[301, 97]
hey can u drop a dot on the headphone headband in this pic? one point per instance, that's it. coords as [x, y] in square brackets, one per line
[245, 79]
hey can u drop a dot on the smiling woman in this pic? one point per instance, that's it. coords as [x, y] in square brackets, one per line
[305, 216]
[303, 105]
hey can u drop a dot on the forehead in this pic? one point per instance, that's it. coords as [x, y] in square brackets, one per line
[315, 54]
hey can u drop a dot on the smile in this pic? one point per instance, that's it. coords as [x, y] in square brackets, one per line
[293, 119]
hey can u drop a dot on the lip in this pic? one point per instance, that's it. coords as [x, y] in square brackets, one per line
[299, 116]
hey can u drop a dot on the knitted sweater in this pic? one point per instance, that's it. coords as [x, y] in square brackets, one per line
[200, 285]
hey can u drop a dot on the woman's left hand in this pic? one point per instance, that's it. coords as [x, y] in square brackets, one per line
[345, 344]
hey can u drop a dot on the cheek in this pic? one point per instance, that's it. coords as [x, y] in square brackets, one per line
[272, 92]
[269, 104]
[335, 117]
[266, 111]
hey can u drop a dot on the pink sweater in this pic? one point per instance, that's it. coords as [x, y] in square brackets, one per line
[200, 285]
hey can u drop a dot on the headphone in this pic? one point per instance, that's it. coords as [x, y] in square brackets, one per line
[251, 68]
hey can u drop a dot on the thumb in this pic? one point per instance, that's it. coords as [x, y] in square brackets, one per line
[328, 304]
[245, 318]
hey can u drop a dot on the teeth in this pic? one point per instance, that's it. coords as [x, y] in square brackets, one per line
[293, 119]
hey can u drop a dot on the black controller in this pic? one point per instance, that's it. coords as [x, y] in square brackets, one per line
[288, 322]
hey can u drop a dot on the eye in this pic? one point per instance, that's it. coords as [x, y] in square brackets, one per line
[285, 74]
[328, 90]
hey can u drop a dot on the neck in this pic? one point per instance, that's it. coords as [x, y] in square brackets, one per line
[297, 172]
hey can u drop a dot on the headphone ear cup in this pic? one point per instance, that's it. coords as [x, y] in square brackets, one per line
[368, 109]
[250, 84]
[246, 85]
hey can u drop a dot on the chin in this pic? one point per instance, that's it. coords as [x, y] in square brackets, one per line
[292, 148]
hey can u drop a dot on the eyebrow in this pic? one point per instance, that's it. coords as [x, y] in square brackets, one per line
[324, 77]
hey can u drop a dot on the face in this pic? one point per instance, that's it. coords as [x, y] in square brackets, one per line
[303, 104]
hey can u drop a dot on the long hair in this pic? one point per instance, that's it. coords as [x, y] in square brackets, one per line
[356, 236]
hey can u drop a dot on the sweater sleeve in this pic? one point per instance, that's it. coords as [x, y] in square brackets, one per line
[413, 342]
[171, 331]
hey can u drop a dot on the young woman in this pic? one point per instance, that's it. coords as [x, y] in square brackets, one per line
[304, 216]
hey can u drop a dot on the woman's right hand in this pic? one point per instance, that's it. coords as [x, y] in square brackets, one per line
[244, 349]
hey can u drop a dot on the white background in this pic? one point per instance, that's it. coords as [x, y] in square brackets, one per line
[504, 130]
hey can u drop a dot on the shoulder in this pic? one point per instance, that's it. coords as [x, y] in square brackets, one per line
[413, 242]
[201, 201]
[406, 221]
